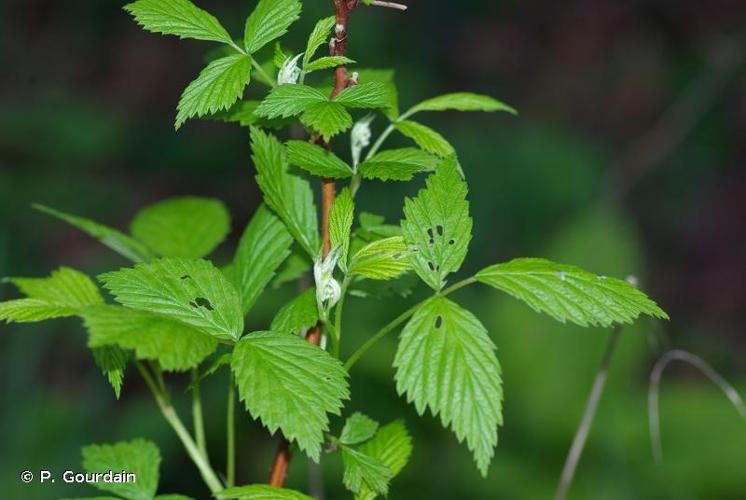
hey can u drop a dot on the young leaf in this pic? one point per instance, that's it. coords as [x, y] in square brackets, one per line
[326, 63]
[438, 224]
[178, 17]
[317, 160]
[446, 362]
[398, 164]
[138, 456]
[289, 100]
[259, 492]
[188, 227]
[216, 88]
[269, 20]
[386, 77]
[193, 292]
[264, 245]
[340, 224]
[297, 315]
[317, 38]
[112, 361]
[290, 196]
[363, 471]
[567, 293]
[364, 95]
[176, 346]
[124, 245]
[281, 377]
[358, 428]
[392, 446]
[425, 137]
[462, 101]
[381, 259]
[328, 118]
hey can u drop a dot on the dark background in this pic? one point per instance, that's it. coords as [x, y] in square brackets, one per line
[627, 158]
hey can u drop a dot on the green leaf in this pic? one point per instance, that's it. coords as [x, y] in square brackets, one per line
[295, 266]
[462, 101]
[176, 346]
[290, 384]
[317, 160]
[425, 137]
[188, 227]
[327, 62]
[398, 164]
[172, 496]
[364, 95]
[386, 77]
[392, 446]
[269, 20]
[279, 56]
[358, 428]
[381, 259]
[401, 286]
[139, 457]
[290, 196]
[438, 224]
[178, 17]
[567, 293]
[112, 361]
[297, 315]
[264, 246]
[124, 245]
[317, 38]
[340, 224]
[446, 362]
[216, 88]
[363, 471]
[260, 492]
[328, 118]
[193, 292]
[289, 100]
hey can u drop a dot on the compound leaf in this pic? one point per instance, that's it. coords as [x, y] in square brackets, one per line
[139, 457]
[462, 101]
[328, 118]
[112, 361]
[317, 160]
[398, 164]
[269, 20]
[392, 446]
[260, 492]
[381, 259]
[425, 137]
[340, 224]
[317, 38]
[327, 62]
[363, 471]
[289, 100]
[357, 429]
[178, 17]
[297, 315]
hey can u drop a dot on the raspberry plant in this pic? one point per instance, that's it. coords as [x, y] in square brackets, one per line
[176, 311]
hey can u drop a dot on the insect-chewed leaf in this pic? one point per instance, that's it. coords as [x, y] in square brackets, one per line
[398, 164]
[364, 95]
[188, 227]
[358, 428]
[328, 118]
[216, 88]
[260, 492]
[317, 160]
[327, 62]
[446, 362]
[392, 446]
[462, 101]
[438, 224]
[298, 314]
[317, 38]
[139, 457]
[112, 361]
[363, 471]
[381, 259]
[289, 100]
[174, 345]
[425, 137]
[567, 293]
[269, 20]
[290, 196]
[190, 291]
[264, 245]
[340, 224]
[281, 377]
[178, 17]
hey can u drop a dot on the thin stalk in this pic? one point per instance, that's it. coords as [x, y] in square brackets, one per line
[230, 459]
[260, 70]
[197, 419]
[338, 318]
[387, 132]
[581, 435]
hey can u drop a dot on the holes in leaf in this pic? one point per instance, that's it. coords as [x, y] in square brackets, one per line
[185, 277]
[438, 322]
[201, 302]
[431, 235]
[439, 229]
[431, 265]
[451, 241]
[396, 256]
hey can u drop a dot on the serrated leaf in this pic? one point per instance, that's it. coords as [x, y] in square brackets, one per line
[188, 227]
[139, 457]
[317, 38]
[438, 224]
[327, 62]
[567, 293]
[124, 245]
[392, 446]
[297, 315]
[357, 429]
[317, 160]
[386, 77]
[398, 164]
[269, 20]
[279, 56]
[193, 292]
[364, 95]
[381, 259]
[289, 100]
[328, 118]
[289, 196]
[361, 470]
[178, 17]
[340, 224]
[260, 492]
[176, 346]
[425, 137]
[400, 286]
[290, 385]
[112, 361]
[264, 246]
[446, 362]
[462, 101]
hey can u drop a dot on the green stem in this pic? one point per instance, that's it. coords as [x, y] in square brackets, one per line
[199, 424]
[230, 467]
[338, 317]
[387, 132]
[208, 475]
[260, 70]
